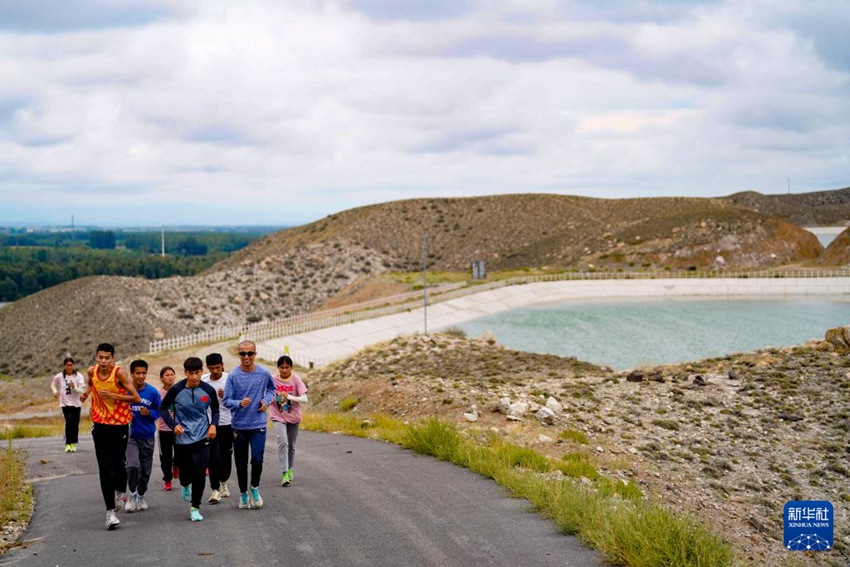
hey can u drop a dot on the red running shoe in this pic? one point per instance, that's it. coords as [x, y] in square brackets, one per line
[175, 472]
[167, 486]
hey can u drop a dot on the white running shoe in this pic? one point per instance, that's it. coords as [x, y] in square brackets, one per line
[215, 497]
[112, 520]
[120, 500]
[225, 492]
[141, 505]
[130, 505]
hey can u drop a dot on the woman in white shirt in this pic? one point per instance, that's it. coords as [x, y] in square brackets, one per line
[67, 387]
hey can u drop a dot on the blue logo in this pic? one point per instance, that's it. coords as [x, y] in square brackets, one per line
[809, 525]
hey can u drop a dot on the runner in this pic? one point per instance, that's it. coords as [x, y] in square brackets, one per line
[285, 413]
[221, 449]
[67, 387]
[142, 437]
[195, 420]
[249, 392]
[111, 392]
[166, 436]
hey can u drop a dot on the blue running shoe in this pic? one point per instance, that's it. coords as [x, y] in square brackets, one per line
[186, 491]
[195, 515]
[256, 499]
[243, 501]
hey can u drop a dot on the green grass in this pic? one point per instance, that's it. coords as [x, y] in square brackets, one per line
[573, 435]
[611, 515]
[15, 493]
[348, 404]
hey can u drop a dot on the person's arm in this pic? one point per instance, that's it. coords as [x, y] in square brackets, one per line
[302, 399]
[214, 411]
[156, 401]
[164, 406]
[79, 383]
[84, 396]
[268, 395]
[228, 400]
[53, 387]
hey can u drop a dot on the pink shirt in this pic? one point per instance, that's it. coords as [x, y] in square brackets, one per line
[295, 387]
[160, 424]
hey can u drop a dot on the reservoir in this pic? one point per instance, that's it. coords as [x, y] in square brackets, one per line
[630, 333]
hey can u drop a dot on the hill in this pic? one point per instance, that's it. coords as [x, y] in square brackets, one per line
[299, 269]
[819, 208]
[837, 254]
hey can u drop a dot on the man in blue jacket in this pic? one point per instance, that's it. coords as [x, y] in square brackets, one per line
[140, 446]
[248, 393]
[194, 419]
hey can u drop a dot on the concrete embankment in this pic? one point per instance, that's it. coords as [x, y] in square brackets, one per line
[327, 345]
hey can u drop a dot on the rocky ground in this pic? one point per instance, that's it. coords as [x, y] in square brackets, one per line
[729, 439]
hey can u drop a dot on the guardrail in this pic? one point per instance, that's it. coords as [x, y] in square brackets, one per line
[316, 320]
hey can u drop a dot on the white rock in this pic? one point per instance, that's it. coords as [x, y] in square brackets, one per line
[517, 409]
[554, 405]
[544, 439]
[545, 416]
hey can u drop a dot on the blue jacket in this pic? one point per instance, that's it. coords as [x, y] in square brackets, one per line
[257, 385]
[189, 407]
[144, 426]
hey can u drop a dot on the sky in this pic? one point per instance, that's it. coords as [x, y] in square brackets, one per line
[215, 112]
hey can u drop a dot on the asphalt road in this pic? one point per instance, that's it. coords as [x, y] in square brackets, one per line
[353, 502]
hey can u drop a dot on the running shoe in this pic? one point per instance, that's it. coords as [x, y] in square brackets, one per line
[243, 501]
[215, 497]
[195, 515]
[186, 492]
[256, 499]
[167, 486]
[112, 520]
[141, 505]
[73, 447]
[225, 492]
[175, 472]
[67, 447]
[130, 505]
[120, 500]
[286, 479]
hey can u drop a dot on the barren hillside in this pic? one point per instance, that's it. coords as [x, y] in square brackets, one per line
[299, 269]
[819, 208]
[837, 254]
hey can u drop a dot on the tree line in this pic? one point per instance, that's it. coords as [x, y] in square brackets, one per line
[32, 262]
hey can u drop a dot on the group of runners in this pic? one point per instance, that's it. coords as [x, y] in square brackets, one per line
[200, 420]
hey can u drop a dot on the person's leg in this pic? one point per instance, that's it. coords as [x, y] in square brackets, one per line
[72, 425]
[240, 458]
[199, 461]
[214, 463]
[133, 464]
[146, 447]
[292, 435]
[225, 439]
[119, 461]
[258, 448]
[280, 431]
[166, 454]
[101, 437]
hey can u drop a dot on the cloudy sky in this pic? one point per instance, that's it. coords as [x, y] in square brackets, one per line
[165, 112]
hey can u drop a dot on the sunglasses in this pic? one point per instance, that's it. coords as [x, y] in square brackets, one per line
[247, 353]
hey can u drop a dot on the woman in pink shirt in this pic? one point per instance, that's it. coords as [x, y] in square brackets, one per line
[166, 436]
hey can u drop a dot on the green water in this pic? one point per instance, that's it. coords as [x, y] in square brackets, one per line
[626, 334]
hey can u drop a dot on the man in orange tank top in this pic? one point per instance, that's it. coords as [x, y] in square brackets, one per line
[111, 391]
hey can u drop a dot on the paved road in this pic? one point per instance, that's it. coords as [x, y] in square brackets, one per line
[353, 502]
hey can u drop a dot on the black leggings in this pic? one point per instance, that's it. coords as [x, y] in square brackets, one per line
[72, 424]
[166, 453]
[110, 446]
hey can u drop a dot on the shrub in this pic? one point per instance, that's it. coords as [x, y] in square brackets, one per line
[348, 404]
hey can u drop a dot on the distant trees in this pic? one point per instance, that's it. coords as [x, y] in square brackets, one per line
[31, 262]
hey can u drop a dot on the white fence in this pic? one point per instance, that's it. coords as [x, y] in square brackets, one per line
[405, 302]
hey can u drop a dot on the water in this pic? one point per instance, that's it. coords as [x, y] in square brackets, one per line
[626, 334]
[826, 234]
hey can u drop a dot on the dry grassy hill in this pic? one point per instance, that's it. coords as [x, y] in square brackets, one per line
[516, 231]
[299, 269]
[819, 208]
[838, 252]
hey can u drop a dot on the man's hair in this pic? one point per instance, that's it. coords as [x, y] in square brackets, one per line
[246, 342]
[138, 364]
[105, 347]
[193, 363]
[214, 358]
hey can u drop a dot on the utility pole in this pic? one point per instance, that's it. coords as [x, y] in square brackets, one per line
[163, 241]
[425, 280]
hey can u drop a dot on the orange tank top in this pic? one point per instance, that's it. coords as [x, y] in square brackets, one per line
[109, 412]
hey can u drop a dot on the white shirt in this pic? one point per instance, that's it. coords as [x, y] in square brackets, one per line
[223, 412]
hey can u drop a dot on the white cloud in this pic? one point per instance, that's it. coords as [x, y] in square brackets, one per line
[285, 112]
